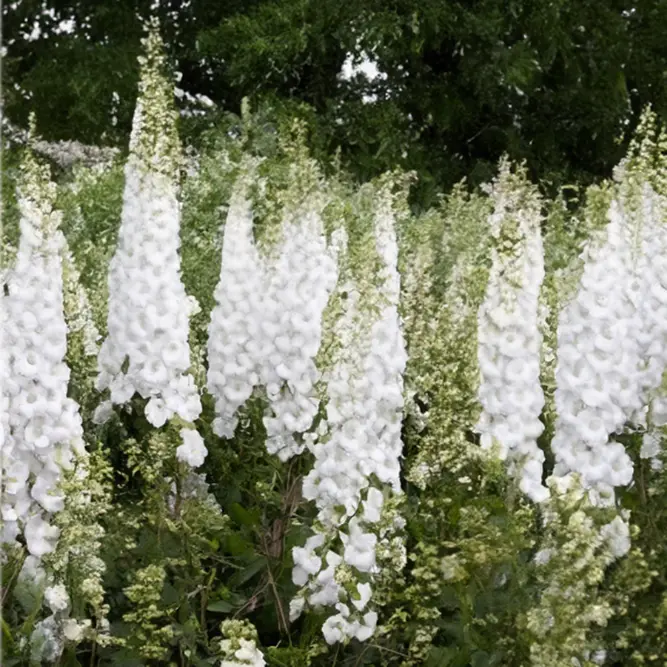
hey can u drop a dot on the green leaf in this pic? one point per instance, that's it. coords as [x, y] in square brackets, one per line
[221, 606]
[248, 572]
[170, 595]
[440, 656]
[70, 660]
[237, 545]
[240, 515]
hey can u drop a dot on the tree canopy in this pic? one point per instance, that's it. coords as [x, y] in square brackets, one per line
[558, 83]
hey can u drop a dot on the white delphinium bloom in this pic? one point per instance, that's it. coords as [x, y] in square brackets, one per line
[74, 631]
[146, 350]
[46, 641]
[509, 336]
[301, 278]
[246, 655]
[612, 336]
[617, 536]
[649, 295]
[192, 451]
[266, 327]
[597, 372]
[235, 333]
[43, 426]
[365, 392]
[9, 527]
[362, 438]
[239, 647]
[56, 598]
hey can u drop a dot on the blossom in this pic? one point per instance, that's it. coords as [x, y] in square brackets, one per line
[192, 451]
[610, 354]
[362, 438]
[56, 598]
[509, 337]
[239, 647]
[41, 425]
[235, 349]
[146, 350]
[266, 326]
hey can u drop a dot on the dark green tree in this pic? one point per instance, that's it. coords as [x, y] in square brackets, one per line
[559, 83]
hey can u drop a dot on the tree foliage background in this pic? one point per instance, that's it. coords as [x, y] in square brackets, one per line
[559, 83]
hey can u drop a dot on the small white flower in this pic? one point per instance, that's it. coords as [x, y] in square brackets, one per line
[56, 598]
[193, 450]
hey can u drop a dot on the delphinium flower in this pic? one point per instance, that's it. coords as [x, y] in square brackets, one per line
[236, 334]
[266, 327]
[301, 277]
[44, 426]
[239, 646]
[8, 516]
[146, 350]
[565, 239]
[649, 294]
[609, 372]
[611, 335]
[193, 450]
[509, 336]
[597, 367]
[361, 442]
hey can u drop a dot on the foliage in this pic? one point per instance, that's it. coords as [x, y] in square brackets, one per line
[558, 84]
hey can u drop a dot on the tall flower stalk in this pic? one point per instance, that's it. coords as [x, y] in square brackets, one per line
[146, 350]
[43, 431]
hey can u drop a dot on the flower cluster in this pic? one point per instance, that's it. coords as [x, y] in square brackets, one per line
[239, 646]
[570, 566]
[234, 334]
[360, 442]
[43, 428]
[193, 450]
[266, 327]
[301, 279]
[363, 339]
[610, 338]
[51, 634]
[509, 336]
[146, 350]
